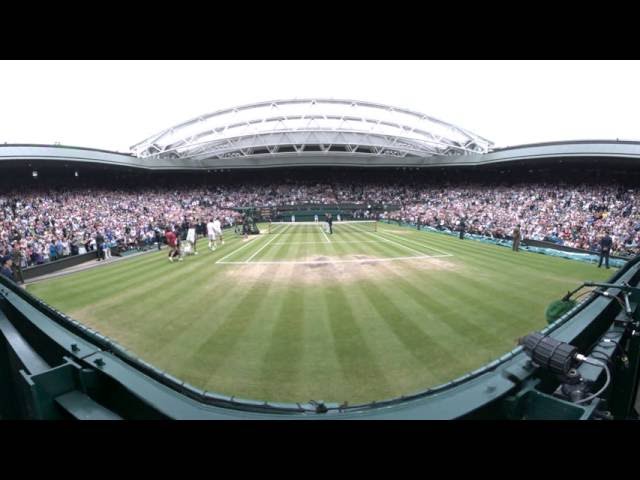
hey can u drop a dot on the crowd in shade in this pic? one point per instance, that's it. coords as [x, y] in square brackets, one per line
[51, 223]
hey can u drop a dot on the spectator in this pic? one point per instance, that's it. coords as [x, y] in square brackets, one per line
[6, 270]
[17, 261]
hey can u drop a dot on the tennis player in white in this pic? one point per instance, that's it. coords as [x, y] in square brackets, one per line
[211, 233]
[191, 241]
[217, 228]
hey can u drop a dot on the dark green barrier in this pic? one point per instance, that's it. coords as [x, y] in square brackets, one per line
[56, 265]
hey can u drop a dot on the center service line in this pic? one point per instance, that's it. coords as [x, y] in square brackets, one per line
[236, 250]
[325, 235]
[264, 246]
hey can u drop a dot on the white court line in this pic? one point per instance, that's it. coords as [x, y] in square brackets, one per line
[325, 235]
[401, 245]
[236, 250]
[417, 243]
[263, 247]
[314, 262]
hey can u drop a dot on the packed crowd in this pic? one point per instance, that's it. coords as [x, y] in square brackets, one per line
[576, 216]
[49, 224]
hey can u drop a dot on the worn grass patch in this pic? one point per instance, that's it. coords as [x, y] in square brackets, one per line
[327, 270]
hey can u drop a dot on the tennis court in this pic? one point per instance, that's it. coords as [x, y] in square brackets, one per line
[313, 243]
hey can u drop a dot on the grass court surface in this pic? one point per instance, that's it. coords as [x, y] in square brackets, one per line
[297, 314]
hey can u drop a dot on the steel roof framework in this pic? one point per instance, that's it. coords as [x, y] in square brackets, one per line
[318, 126]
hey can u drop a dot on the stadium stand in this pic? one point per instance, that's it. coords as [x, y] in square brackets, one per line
[52, 221]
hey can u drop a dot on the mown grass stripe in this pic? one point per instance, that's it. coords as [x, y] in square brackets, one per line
[403, 241]
[280, 373]
[359, 366]
[425, 348]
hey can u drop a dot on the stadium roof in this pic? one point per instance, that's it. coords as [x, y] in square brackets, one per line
[311, 126]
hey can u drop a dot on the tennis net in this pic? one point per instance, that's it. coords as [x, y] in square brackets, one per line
[337, 227]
